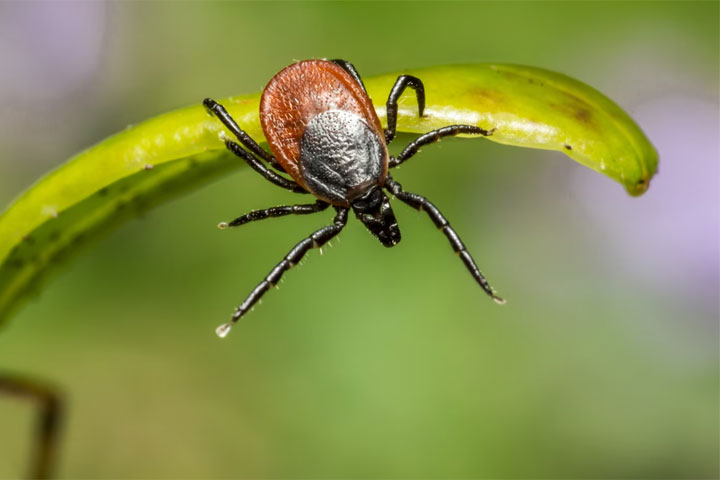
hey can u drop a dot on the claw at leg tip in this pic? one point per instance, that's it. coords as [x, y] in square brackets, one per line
[222, 225]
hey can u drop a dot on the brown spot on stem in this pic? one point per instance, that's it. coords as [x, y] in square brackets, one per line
[583, 115]
[574, 110]
[490, 98]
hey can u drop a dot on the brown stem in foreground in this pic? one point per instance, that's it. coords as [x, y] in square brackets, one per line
[48, 423]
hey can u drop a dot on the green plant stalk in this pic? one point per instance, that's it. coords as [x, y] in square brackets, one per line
[161, 158]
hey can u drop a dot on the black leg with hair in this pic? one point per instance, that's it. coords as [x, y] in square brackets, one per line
[48, 422]
[315, 240]
[260, 167]
[350, 68]
[434, 136]
[423, 204]
[219, 111]
[280, 211]
[402, 82]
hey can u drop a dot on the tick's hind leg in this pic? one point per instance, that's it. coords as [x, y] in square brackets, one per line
[280, 211]
[219, 111]
[421, 203]
[434, 136]
[315, 240]
[402, 82]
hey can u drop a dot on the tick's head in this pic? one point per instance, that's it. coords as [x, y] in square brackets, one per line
[373, 209]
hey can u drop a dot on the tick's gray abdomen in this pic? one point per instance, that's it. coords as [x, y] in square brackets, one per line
[340, 156]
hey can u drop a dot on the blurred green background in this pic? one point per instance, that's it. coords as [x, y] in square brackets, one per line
[374, 362]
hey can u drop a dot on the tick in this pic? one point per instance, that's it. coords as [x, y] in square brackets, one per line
[324, 133]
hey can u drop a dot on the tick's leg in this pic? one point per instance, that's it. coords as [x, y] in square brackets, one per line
[48, 422]
[434, 136]
[350, 68]
[316, 240]
[423, 204]
[260, 167]
[402, 82]
[281, 211]
[219, 111]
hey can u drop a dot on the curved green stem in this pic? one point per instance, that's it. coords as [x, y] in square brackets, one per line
[165, 156]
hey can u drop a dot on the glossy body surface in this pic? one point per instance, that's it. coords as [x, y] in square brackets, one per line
[323, 130]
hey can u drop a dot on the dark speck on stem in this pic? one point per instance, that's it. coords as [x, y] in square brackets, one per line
[16, 263]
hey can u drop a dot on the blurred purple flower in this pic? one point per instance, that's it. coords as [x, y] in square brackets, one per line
[669, 237]
[48, 49]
